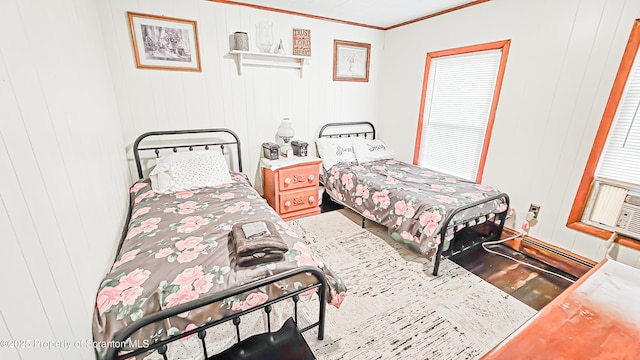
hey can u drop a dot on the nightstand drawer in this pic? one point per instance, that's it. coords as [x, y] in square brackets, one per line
[298, 177]
[298, 200]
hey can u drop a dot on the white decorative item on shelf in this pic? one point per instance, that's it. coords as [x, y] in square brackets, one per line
[241, 41]
[264, 36]
[280, 50]
[286, 133]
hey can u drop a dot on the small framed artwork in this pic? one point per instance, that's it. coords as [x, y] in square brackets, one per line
[302, 42]
[164, 43]
[351, 61]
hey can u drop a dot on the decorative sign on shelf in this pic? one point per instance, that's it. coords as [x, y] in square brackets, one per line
[302, 42]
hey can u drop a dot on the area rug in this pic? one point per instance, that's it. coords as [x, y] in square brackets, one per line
[395, 308]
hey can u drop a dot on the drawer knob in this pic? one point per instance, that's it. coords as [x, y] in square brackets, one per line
[311, 199]
[287, 203]
[311, 177]
[287, 181]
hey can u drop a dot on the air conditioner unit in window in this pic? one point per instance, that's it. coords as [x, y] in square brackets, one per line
[615, 207]
[629, 219]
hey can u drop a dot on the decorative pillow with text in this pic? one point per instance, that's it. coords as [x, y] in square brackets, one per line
[371, 150]
[335, 150]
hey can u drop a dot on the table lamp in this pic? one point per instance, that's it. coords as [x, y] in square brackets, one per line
[286, 133]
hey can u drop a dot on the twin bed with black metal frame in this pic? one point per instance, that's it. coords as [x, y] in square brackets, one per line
[434, 213]
[170, 279]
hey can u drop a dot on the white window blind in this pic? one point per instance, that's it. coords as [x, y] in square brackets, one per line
[456, 112]
[620, 159]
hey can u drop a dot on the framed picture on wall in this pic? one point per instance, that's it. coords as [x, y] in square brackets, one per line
[164, 43]
[351, 61]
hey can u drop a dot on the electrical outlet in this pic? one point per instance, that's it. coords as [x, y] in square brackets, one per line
[535, 209]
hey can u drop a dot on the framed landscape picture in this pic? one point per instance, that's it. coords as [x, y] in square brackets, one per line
[351, 61]
[164, 43]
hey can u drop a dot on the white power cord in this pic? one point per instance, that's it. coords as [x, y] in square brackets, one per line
[525, 227]
[610, 243]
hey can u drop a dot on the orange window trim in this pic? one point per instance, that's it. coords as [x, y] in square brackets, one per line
[504, 45]
[582, 195]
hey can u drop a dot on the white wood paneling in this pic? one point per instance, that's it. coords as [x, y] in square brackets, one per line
[252, 104]
[31, 296]
[63, 184]
[562, 62]
[6, 352]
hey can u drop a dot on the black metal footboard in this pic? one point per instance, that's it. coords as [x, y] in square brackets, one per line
[498, 219]
[161, 346]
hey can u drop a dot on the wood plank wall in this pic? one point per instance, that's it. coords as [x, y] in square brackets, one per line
[63, 174]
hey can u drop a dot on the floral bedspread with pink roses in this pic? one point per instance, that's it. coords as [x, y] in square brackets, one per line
[177, 249]
[412, 201]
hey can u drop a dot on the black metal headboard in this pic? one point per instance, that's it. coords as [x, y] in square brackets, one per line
[174, 143]
[333, 130]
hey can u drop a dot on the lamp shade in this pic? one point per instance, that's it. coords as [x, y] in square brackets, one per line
[285, 131]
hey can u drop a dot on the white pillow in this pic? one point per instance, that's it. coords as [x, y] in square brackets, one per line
[371, 150]
[335, 150]
[189, 170]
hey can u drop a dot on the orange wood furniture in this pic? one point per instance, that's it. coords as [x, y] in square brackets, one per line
[293, 190]
[596, 318]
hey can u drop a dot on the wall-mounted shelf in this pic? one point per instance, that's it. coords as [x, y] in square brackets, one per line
[267, 59]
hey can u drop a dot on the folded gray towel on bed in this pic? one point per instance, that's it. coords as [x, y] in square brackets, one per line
[258, 258]
[260, 246]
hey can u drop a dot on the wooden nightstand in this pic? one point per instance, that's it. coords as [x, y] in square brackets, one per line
[293, 190]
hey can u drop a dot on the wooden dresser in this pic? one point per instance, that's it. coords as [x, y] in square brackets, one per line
[293, 190]
[598, 317]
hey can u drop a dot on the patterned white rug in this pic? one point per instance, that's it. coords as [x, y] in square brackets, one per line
[394, 307]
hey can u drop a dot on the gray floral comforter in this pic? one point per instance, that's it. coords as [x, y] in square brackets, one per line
[176, 250]
[413, 202]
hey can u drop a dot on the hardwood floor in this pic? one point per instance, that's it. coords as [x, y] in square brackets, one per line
[532, 287]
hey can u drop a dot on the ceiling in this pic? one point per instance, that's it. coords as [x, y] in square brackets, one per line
[382, 14]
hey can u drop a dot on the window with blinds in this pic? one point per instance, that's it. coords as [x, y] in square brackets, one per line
[460, 90]
[620, 159]
[608, 197]
[611, 205]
